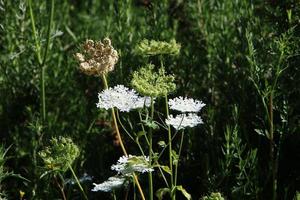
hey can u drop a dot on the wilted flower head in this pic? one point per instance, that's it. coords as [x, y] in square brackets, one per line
[129, 164]
[185, 104]
[183, 121]
[97, 57]
[152, 47]
[111, 184]
[121, 97]
[60, 154]
[154, 84]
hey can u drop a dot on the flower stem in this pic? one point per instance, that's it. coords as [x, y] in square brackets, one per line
[173, 194]
[179, 153]
[150, 152]
[60, 188]
[121, 141]
[78, 182]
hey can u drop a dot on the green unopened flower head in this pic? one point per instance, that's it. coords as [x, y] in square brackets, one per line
[150, 83]
[152, 47]
[60, 154]
[213, 196]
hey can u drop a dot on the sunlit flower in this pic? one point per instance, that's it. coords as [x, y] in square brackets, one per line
[129, 164]
[97, 57]
[183, 121]
[121, 97]
[185, 104]
[148, 82]
[111, 184]
[153, 47]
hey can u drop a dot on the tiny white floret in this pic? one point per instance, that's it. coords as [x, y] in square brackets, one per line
[183, 121]
[122, 98]
[184, 104]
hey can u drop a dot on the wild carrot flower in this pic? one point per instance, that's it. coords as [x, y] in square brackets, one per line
[111, 184]
[184, 104]
[97, 57]
[152, 47]
[121, 97]
[183, 121]
[126, 165]
[154, 84]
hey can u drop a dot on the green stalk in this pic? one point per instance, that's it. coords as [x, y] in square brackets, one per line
[41, 63]
[150, 152]
[173, 194]
[78, 182]
[179, 153]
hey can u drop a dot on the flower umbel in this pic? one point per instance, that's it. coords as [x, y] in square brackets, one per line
[152, 47]
[111, 184]
[97, 57]
[121, 97]
[60, 154]
[154, 84]
[183, 121]
[126, 165]
[184, 104]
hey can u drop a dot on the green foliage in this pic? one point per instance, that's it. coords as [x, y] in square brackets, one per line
[239, 52]
[150, 83]
[213, 196]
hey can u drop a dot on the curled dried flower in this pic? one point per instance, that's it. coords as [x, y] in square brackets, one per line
[97, 57]
[154, 84]
[153, 47]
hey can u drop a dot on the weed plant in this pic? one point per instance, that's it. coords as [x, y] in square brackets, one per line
[241, 58]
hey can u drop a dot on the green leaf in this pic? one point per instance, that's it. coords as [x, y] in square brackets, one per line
[162, 143]
[166, 169]
[161, 192]
[184, 192]
[175, 157]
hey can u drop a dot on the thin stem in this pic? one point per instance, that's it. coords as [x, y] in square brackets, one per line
[60, 188]
[173, 194]
[114, 195]
[121, 141]
[123, 127]
[273, 161]
[78, 182]
[37, 45]
[150, 152]
[156, 162]
[179, 153]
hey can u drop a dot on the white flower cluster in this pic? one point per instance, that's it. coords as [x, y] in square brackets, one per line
[184, 104]
[111, 184]
[126, 165]
[123, 98]
[183, 121]
[188, 107]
